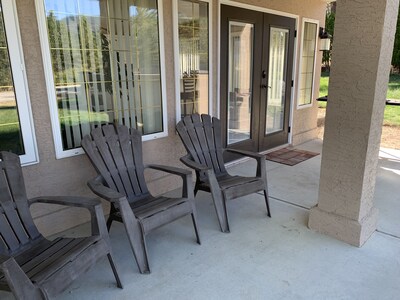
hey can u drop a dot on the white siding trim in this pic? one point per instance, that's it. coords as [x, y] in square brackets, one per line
[303, 106]
[20, 82]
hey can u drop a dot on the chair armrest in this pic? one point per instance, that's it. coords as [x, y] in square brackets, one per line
[67, 201]
[93, 205]
[192, 164]
[168, 169]
[187, 189]
[246, 153]
[96, 185]
[260, 158]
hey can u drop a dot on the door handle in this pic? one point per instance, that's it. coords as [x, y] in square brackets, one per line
[264, 86]
[264, 74]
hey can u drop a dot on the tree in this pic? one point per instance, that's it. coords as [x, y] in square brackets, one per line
[5, 72]
[396, 49]
[330, 29]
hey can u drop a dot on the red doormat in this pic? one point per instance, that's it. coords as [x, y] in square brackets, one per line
[290, 157]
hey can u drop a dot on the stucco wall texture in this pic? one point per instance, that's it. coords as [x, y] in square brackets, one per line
[68, 176]
[357, 93]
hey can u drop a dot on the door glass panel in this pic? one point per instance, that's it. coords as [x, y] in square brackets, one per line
[10, 127]
[240, 81]
[278, 54]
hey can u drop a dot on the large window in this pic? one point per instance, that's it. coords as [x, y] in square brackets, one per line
[307, 65]
[16, 130]
[192, 56]
[106, 67]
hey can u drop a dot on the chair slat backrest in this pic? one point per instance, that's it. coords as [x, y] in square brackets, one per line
[116, 154]
[202, 139]
[16, 224]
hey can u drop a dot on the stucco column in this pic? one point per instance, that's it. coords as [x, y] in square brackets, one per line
[362, 51]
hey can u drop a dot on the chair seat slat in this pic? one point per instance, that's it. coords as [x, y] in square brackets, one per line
[36, 248]
[62, 257]
[157, 205]
[38, 259]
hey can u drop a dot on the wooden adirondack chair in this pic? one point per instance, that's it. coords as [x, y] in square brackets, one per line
[202, 139]
[116, 154]
[32, 267]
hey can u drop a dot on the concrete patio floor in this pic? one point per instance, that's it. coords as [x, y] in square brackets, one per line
[262, 258]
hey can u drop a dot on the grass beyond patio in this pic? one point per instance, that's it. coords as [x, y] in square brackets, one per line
[392, 113]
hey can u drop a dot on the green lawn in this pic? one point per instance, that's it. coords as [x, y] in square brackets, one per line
[10, 138]
[392, 113]
[394, 87]
[10, 133]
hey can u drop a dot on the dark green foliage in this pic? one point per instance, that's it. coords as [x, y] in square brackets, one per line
[396, 49]
[330, 28]
[5, 72]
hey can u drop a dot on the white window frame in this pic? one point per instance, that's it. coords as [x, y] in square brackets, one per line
[177, 60]
[306, 20]
[55, 122]
[20, 82]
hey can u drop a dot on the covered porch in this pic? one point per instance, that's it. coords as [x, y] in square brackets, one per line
[262, 258]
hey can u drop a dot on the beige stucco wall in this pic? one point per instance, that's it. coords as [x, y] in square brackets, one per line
[68, 176]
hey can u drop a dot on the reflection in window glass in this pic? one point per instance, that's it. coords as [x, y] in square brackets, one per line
[10, 127]
[193, 56]
[278, 59]
[307, 63]
[106, 65]
[241, 39]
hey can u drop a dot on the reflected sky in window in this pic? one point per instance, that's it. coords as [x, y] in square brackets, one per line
[86, 7]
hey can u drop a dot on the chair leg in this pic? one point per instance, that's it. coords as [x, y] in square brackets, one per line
[267, 202]
[114, 269]
[194, 219]
[138, 243]
[220, 208]
[136, 236]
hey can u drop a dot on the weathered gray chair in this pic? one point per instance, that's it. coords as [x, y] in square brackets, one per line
[31, 266]
[116, 154]
[202, 139]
